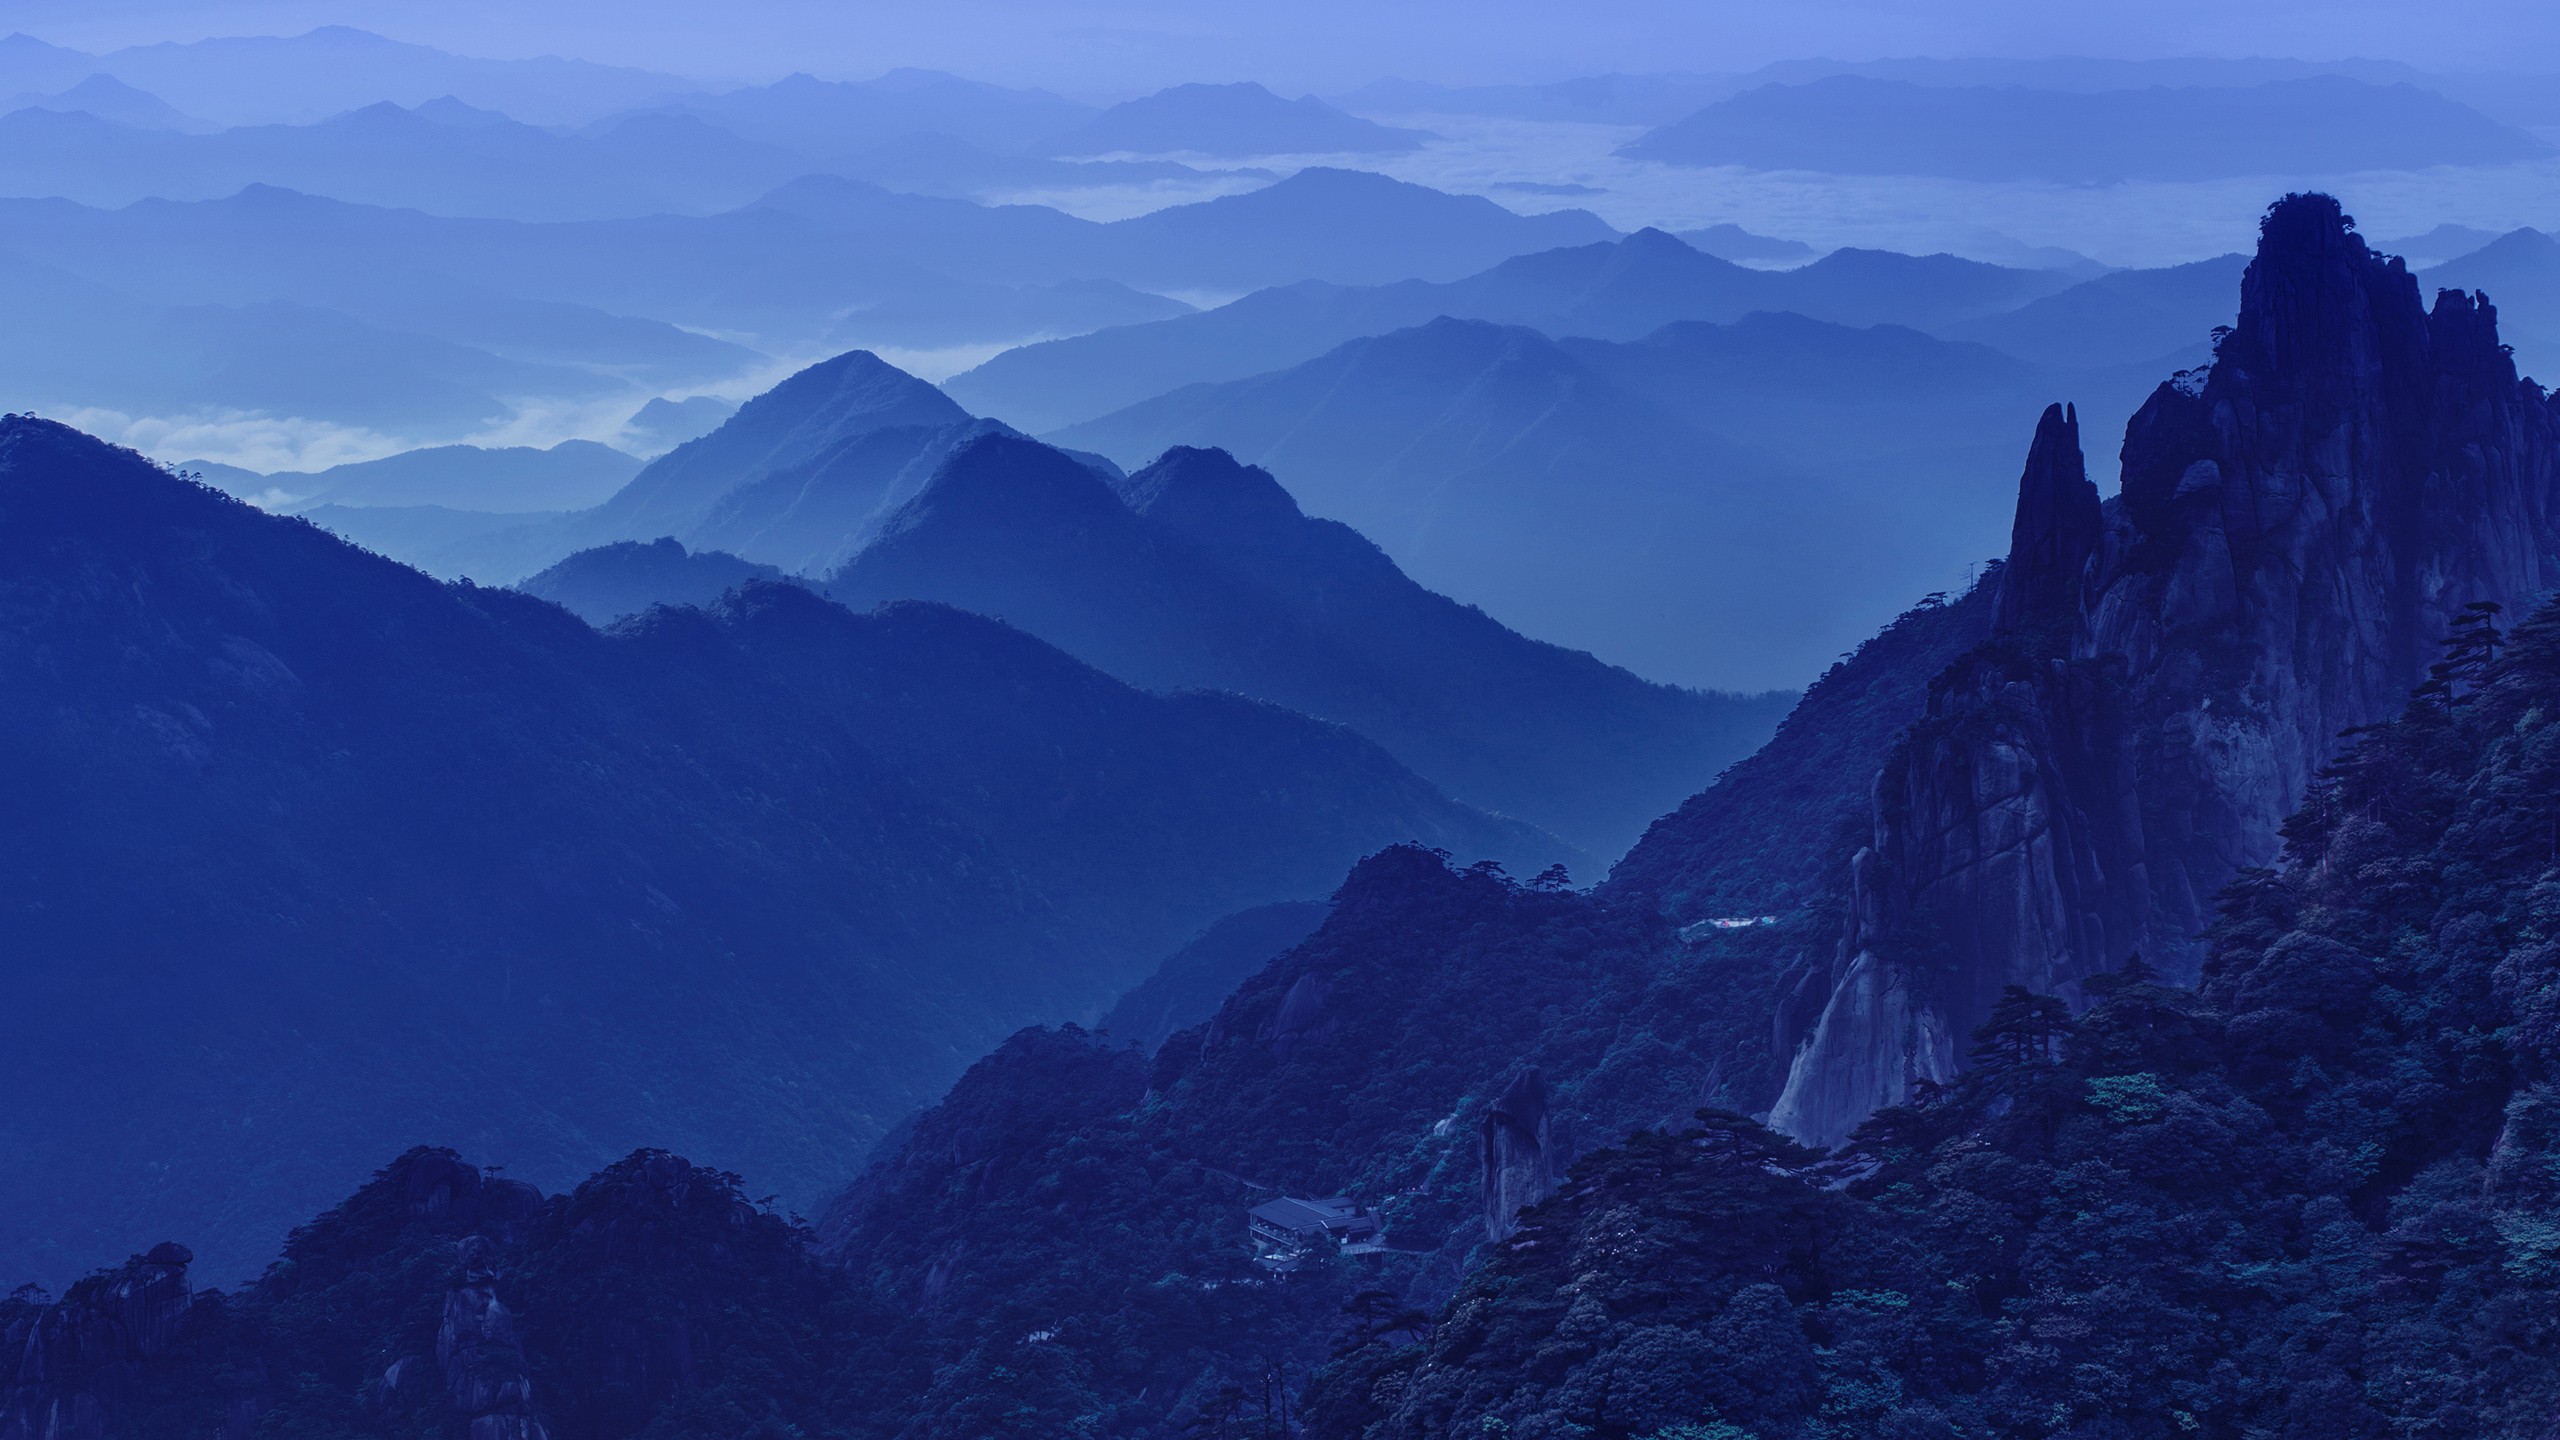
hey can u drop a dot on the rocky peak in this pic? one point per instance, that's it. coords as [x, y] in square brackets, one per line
[1519, 1154]
[2295, 529]
[2057, 530]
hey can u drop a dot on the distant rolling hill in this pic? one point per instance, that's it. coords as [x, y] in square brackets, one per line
[1619, 289]
[1714, 505]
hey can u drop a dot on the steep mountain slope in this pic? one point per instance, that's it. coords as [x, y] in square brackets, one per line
[2297, 527]
[1204, 573]
[1620, 290]
[1704, 506]
[343, 856]
[2311, 1197]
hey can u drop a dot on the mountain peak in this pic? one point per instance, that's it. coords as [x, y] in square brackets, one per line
[1193, 489]
[2058, 526]
[1003, 480]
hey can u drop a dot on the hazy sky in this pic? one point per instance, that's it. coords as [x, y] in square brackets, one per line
[1103, 46]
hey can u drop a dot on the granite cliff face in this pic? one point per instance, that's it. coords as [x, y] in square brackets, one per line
[2298, 523]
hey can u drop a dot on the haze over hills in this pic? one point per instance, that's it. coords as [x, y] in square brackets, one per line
[1240, 121]
[1155, 555]
[1203, 573]
[1606, 496]
[288, 79]
[1621, 289]
[755, 879]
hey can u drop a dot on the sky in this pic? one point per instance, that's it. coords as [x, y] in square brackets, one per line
[1101, 48]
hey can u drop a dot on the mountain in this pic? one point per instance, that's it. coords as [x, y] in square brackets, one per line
[822, 120]
[663, 424]
[1679, 1272]
[1347, 226]
[1732, 242]
[610, 582]
[2444, 242]
[2172, 668]
[1195, 980]
[2313, 126]
[1711, 506]
[2522, 269]
[801, 475]
[1202, 573]
[1240, 121]
[516, 479]
[2132, 317]
[631, 305]
[345, 856]
[268, 79]
[84, 344]
[1623, 290]
[109, 99]
[382, 154]
[1589, 99]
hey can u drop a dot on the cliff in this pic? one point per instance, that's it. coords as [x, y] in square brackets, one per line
[2298, 524]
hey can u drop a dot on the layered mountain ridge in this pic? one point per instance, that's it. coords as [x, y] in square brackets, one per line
[1201, 572]
[343, 854]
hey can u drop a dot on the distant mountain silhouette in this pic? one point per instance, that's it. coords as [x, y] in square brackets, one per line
[383, 154]
[1204, 573]
[2521, 271]
[610, 582]
[813, 267]
[1621, 289]
[109, 99]
[1239, 121]
[266, 79]
[1714, 505]
[1651, 99]
[663, 424]
[824, 119]
[2135, 317]
[2316, 125]
[1732, 242]
[570, 475]
[340, 856]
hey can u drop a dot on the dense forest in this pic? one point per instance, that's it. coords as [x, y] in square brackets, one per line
[2312, 1197]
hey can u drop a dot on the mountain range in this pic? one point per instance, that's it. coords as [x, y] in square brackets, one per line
[1203, 573]
[343, 854]
[1659, 503]
[2308, 1194]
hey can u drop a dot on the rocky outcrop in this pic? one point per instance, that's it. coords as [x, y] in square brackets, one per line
[1519, 1154]
[478, 1350]
[67, 1369]
[2297, 525]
